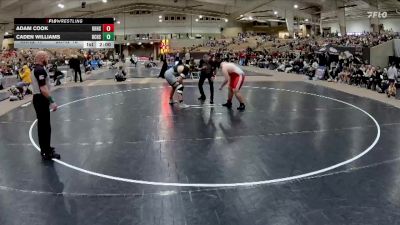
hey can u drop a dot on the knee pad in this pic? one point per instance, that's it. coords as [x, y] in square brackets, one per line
[180, 88]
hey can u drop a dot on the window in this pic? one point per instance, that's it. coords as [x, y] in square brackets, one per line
[178, 18]
[183, 17]
[166, 18]
[172, 17]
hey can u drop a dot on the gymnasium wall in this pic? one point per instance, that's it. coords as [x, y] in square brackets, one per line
[232, 31]
[143, 24]
[379, 55]
[7, 43]
[362, 25]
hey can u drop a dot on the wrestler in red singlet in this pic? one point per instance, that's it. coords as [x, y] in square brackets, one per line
[235, 76]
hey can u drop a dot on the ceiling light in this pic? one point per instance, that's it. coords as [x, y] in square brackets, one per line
[296, 6]
[250, 18]
[114, 19]
[306, 20]
[151, 43]
[241, 15]
[128, 43]
[60, 5]
[160, 21]
[197, 20]
[226, 20]
[275, 12]
[6, 33]
[200, 16]
[119, 22]
[160, 17]
[104, 1]
[140, 43]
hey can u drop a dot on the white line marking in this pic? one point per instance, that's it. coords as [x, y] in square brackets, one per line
[13, 122]
[126, 195]
[190, 195]
[26, 104]
[216, 215]
[94, 83]
[278, 180]
[203, 106]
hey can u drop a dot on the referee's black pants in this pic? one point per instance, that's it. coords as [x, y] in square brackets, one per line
[76, 75]
[42, 108]
[203, 77]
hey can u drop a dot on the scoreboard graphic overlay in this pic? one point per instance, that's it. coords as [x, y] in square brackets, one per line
[93, 33]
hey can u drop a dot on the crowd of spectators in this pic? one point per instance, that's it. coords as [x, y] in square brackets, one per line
[16, 66]
[301, 55]
[225, 43]
[316, 58]
[367, 39]
[305, 57]
[343, 68]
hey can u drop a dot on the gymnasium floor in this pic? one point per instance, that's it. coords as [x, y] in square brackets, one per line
[299, 154]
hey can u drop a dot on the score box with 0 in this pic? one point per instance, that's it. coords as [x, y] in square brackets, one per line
[108, 36]
[103, 28]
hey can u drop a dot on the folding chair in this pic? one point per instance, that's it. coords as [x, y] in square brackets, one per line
[195, 75]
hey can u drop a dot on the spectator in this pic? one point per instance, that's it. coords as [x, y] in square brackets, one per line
[392, 76]
[75, 64]
[25, 76]
[58, 75]
[344, 76]
[134, 59]
[187, 57]
[2, 82]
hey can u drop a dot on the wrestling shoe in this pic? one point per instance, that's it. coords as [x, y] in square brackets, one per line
[51, 155]
[242, 107]
[227, 105]
[202, 98]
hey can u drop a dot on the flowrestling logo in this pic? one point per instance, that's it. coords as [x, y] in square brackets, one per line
[380, 15]
[64, 21]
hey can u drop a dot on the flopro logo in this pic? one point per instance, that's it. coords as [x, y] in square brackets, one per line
[380, 15]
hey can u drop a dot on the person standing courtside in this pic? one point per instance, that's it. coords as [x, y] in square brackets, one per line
[187, 57]
[206, 72]
[43, 102]
[76, 66]
[392, 75]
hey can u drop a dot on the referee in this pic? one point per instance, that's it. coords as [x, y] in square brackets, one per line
[207, 72]
[43, 102]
